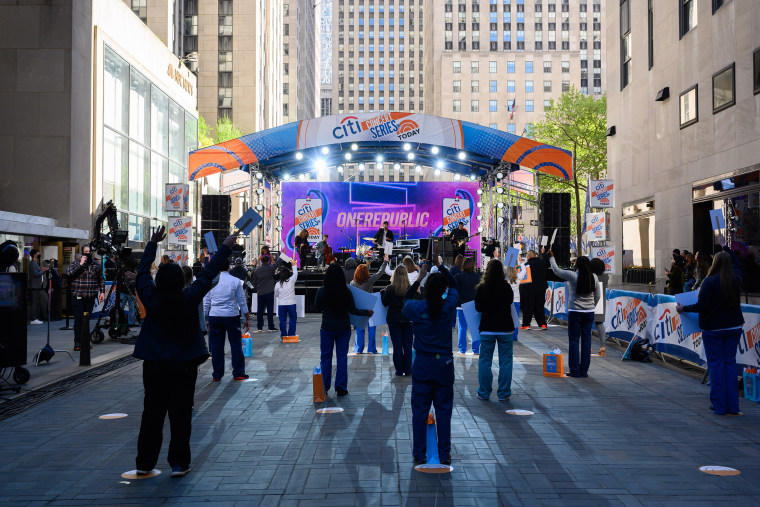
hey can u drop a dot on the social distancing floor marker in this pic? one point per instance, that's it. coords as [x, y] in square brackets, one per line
[719, 470]
[112, 416]
[434, 469]
[132, 474]
[251, 380]
[330, 410]
[519, 411]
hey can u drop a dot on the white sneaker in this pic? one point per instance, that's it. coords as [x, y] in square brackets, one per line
[36, 322]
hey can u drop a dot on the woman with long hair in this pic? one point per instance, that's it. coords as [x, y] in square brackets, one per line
[412, 270]
[285, 294]
[335, 301]
[513, 278]
[598, 268]
[399, 327]
[703, 267]
[493, 299]
[362, 280]
[582, 296]
[466, 282]
[433, 367]
[721, 320]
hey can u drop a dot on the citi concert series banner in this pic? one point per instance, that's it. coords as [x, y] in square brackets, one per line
[345, 210]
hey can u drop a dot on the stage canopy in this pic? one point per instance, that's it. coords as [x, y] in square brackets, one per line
[324, 142]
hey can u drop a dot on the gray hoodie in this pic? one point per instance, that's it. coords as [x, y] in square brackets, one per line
[349, 269]
[367, 286]
[584, 303]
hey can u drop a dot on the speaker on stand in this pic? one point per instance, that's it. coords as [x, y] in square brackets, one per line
[215, 217]
[555, 214]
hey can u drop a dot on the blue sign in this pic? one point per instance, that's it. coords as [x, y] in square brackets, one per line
[716, 219]
[210, 242]
[248, 221]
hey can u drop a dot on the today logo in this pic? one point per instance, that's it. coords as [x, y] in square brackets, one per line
[408, 128]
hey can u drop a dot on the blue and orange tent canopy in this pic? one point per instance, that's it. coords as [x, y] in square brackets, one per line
[325, 142]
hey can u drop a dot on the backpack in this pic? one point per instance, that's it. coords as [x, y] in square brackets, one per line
[641, 350]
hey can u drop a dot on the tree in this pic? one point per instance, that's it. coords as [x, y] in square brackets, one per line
[205, 135]
[224, 130]
[577, 123]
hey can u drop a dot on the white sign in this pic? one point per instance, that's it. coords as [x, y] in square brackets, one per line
[177, 256]
[602, 194]
[454, 212]
[606, 254]
[308, 215]
[596, 227]
[180, 230]
[176, 197]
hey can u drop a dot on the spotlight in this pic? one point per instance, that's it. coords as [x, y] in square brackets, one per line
[279, 216]
[473, 176]
[397, 166]
[379, 159]
[279, 205]
[480, 217]
[480, 229]
[361, 167]
[437, 172]
[434, 150]
[499, 175]
[410, 156]
[299, 155]
[354, 146]
[285, 177]
[439, 164]
[301, 176]
[279, 191]
[462, 155]
[501, 220]
[259, 176]
[500, 205]
[457, 176]
[325, 150]
[407, 146]
[347, 156]
[340, 169]
[418, 168]
[279, 227]
[500, 190]
[480, 204]
[480, 191]
[320, 165]
[259, 191]
[259, 207]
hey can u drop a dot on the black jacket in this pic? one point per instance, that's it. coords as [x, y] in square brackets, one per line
[379, 236]
[714, 311]
[170, 345]
[340, 320]
[538, 267]
[466, 284]
[495, 306]
[395, 304]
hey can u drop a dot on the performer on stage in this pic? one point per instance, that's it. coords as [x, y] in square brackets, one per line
[459, 237]
[383, 235]
[302, 246]
[324, 252]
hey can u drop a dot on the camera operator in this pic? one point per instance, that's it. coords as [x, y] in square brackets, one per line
[86, 283]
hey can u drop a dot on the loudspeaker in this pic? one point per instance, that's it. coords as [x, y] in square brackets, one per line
[13, 317]
[215, 217]
[555, 214]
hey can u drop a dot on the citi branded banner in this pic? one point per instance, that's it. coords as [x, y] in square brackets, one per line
[351, 210]
[666, 332]
[596, 227]
[559, 300]
[628, 314]
[176, 197]
[548, 299]
[607, 255]
[456, 211]
[177, 256]
[308, 215]
[180, 230]
[602, 194]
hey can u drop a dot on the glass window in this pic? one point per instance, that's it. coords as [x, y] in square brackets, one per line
[547, 86]
[511, 128]
[225, 25]
[510, 86]
[492, 86]
[625, 44]
[225, 61]
[547, 105]
[175, 173]
[116, 92]
[457, 106]
[139, 108]
[687, 15]
[492, 107]
[115, 168]
[475, 67]
[492, 67]
[139, 179]
[457, 86]
[474, 86]
[723, 89]
[457, 67]
[528, 86]
[159, 175]
[493, 125]
[756, 70]
[474, 106]
[529, 106]
[688, 105]
[548, 67]
[159, 121]
[528, 67]
[191, 134]
[565, 66]
[511, 67]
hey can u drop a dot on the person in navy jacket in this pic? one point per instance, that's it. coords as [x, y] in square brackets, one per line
[433, 367]
[721, 320]
[171, 346]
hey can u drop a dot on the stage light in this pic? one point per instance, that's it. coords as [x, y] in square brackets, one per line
[499, 175]
[397, 166]
[437, 172]
[279, 227]
[480, 204]
[407, 146]
[347, 156]
[410, 156]
[480, 229]
[379, 159]
[473, 176]
[480, 191]
[325, 150]
[434, 150]
[259, 207]
[439, 164]
[279, 216]
[285, 177]
[259, 191]
[279, 205]
[301, 176]
[480, 217]
[501, 220]
[354, 146]
[320, 165]
[500, 190]
[299, 155]
[462, 155]
[279, 191]
[259, 176]
[418, 168]
[340, 169]
[500, 205]
[457, 177]
[361, 167]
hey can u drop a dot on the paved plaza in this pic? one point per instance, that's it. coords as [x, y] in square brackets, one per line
[630, 434]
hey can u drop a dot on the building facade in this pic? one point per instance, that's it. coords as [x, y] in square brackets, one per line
[299, 69]
[684, 126]
[98, 109]
[164, 18]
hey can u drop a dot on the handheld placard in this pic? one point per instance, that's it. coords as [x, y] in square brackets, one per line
[554, 235]
[511, 258]
[544, 240]
[210, 242]
[717, 220]
[248, 221]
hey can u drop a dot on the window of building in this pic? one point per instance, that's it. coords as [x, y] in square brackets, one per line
[475, 67]
[756, 71]
[457, 106]
[225, 61]
[547, 67]
[225, 25]
[547, 86]
[457, 86]
[625, 43]
[475, 106]
[140, 8]
[717, 4]
[529, 67]
[493, 125]
[638, 238]
[510, 86]
[492, 67]
[474, 86]
[566, 67]
[528, 106]
[510, 67]
[457, 67]
[547, 105]
[528, 86]
[650, 25]
[688, 107]
[565, 86]
[687, 12]
[492, 107]
[724, 89]
[492, 86]
[511, 128]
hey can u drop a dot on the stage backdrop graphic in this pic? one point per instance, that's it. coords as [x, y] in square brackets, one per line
[351, 208]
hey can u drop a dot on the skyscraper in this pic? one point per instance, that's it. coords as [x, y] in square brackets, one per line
[299, 69]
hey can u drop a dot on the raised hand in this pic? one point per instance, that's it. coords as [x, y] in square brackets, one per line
[231, 239]
[159, 234]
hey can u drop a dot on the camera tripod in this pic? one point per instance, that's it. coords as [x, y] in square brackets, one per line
[118, 324]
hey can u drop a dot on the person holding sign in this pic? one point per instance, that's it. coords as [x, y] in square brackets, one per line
[493, 299]
[582, 296]
[533, 291]
[285, 294]
[335, 302]
[399, 327]
[362, 280]
[171, 346]
[721, 321]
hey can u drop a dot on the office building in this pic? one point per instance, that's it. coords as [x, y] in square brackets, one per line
[300, 88]
[684, 136]
[164, 18]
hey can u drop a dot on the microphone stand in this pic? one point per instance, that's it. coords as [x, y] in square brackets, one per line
[52, 352]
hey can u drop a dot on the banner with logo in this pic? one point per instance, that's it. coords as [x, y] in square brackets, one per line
[559, 300]
[602, 194]
[628, 314]
[455, 211]
[607, 255]
[177, 256]
[176, 197]
[308, 215]
[548, 299]
[596, 227]
[749, 345]
[667, 335]
[180, 230]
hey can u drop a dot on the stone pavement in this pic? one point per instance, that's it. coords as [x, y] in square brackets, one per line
[630, 434]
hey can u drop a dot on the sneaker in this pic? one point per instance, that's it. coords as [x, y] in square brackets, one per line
[259, 330]
[242, 377]
[273, 330]
[179, 471]
[36, 322]
[524, 328]
[77, 349]
[481, 397]
[216, 380]
[341, 391]
[143, 472]
[544, 328]
[504, 399]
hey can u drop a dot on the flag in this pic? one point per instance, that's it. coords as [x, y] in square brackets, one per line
[512, 109]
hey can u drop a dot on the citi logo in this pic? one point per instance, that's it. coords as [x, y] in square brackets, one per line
[349, 125]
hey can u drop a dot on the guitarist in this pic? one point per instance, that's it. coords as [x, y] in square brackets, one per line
[459, 237]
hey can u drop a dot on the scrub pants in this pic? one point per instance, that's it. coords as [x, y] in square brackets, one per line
[359, 344]
[462, 333]
[720, 349]
[339, 340]
[287, 313]
[432, 383]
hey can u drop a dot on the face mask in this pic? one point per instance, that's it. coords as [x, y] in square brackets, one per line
[445, 293]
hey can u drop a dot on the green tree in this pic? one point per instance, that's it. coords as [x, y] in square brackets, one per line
[577, 123]
[205, 135]
[224, 130]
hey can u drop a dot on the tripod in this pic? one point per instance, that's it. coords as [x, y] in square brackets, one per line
[117, 324]
[47, 352]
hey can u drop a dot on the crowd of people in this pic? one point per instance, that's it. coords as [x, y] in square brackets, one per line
[688, 270]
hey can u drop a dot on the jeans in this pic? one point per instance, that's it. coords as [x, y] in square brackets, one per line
[579, 330]
[169, 387]
[265, 304]
[359, 344]
[81, 305]
[285, 313]
[517, 325]
[402, 338]
[720, 349]
[217, 328]
[339, 340]
[485, 375]
[462, 333]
